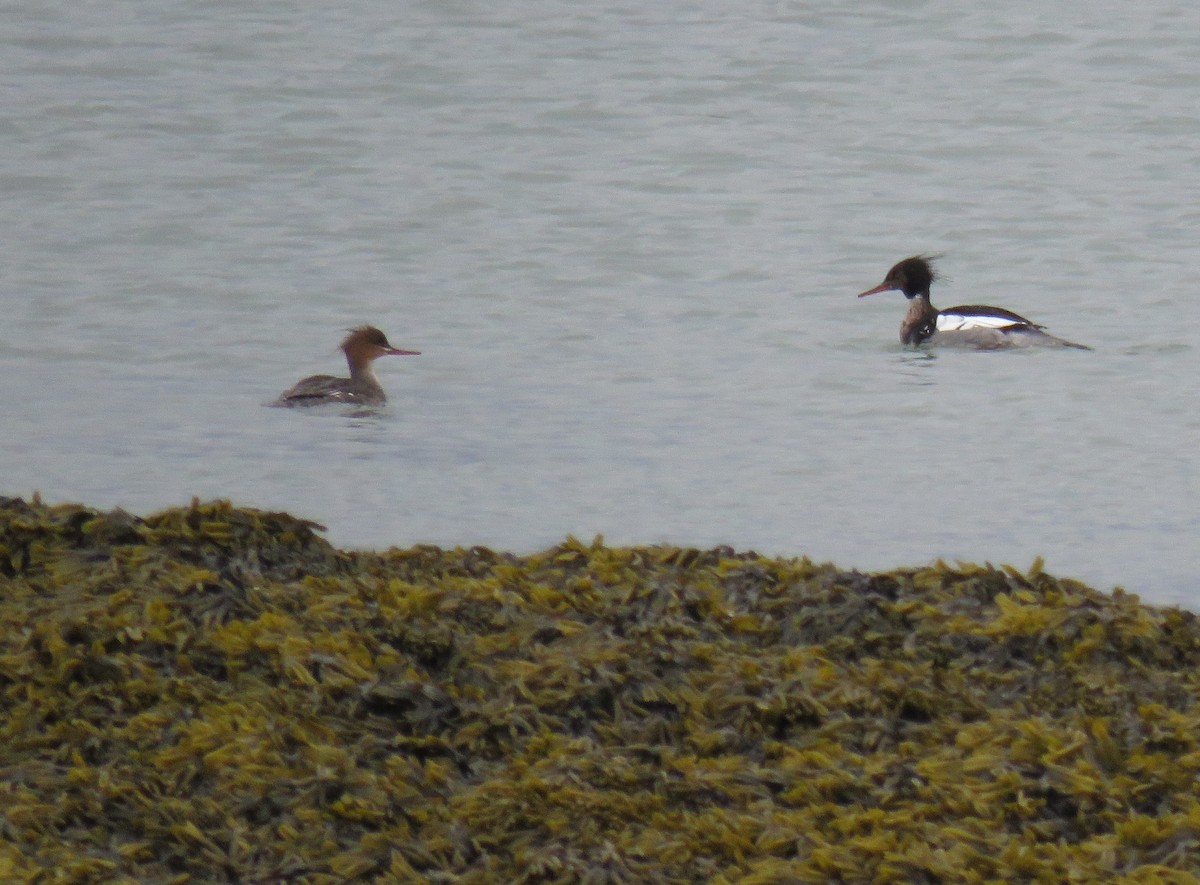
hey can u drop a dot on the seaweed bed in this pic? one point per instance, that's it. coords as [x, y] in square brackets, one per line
[216, 694]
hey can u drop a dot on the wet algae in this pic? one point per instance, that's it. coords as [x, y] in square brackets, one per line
[216, 694]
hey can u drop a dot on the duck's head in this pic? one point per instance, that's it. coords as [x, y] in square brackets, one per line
[367, 343]
[912, 276]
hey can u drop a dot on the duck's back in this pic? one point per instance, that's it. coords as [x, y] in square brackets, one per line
[318, 390]
[980, 316]
[985, 327]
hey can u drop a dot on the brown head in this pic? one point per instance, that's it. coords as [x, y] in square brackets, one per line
[366, 343]
[912, 276]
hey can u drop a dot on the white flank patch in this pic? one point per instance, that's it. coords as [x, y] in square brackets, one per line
[956, 322]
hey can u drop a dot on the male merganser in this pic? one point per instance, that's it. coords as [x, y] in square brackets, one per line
[362, 347]
[972, 325]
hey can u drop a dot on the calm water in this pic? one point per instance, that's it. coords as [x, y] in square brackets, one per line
[627, 241]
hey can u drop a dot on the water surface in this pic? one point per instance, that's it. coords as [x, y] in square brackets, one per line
[627, 241]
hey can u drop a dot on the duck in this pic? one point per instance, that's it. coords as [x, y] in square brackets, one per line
[362, 346]
[971, 325]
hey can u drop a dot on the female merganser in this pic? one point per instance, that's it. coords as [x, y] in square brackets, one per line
[972, 325]
[362, 347]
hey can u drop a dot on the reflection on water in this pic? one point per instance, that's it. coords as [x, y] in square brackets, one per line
[917, 366]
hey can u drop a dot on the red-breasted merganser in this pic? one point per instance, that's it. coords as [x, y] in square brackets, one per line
[362, 347]
[971, 325]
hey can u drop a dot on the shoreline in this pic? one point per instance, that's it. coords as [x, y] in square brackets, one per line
[217, 693]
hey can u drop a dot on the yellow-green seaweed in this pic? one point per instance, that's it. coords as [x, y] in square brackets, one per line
[216, 694]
